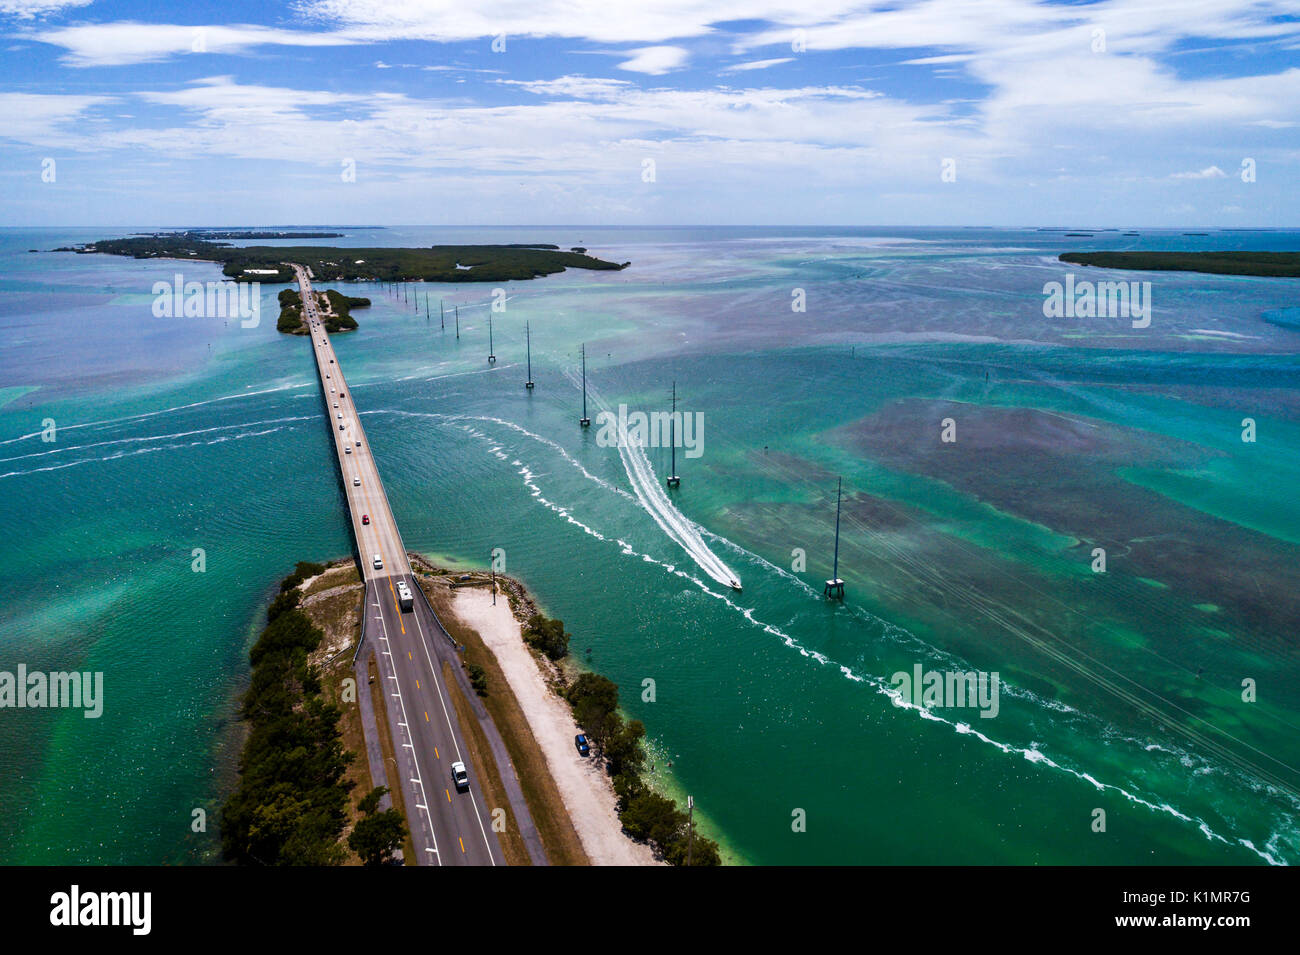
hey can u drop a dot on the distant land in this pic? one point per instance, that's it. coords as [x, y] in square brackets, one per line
[438, 263]
[241, 234]
[1268, 264]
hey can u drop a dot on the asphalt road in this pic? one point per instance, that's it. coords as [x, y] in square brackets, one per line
[448, 827]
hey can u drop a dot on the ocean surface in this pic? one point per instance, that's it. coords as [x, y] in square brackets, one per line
[1164, 691]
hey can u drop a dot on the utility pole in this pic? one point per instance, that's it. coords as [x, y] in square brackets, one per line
[673, 479]
[528, 337]
[835, 587]
[584, 420]
[690, 827]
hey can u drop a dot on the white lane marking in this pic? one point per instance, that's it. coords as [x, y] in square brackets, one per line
[437, 682]
[415, 757]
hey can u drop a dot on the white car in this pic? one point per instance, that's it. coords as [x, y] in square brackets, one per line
[460, 776]
[378, 562]
[356, 482]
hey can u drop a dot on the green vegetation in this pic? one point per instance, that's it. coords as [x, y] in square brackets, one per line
[290, 311]
[301, 572]
[547, 635]
[337, 319]
[290, 321]
[379, 834]
[210, 234]
[439, 263]
[645, 814]
[477, 678]
[341, 306]
[290, 807]
[551, 816]
[1268, 264]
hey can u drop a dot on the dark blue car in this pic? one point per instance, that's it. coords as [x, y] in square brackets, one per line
[580, 741]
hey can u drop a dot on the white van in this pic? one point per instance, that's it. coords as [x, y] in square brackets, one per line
[379, 562]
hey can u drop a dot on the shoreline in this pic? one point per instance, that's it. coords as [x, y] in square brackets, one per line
[585, 788]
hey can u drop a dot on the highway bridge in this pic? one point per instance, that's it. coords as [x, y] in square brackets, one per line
[448, 826]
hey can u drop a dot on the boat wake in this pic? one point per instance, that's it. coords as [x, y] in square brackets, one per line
[1273, 852]
[652, 497]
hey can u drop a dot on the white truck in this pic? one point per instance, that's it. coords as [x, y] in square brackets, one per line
[404, 598]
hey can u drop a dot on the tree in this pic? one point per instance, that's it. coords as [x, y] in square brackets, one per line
[478, 679]
[547, 635]
[370, 801]
[624, 752]
[653, 817]
[375, 838]
[594, 699]
[702, 851]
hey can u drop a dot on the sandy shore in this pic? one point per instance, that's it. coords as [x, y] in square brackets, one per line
[585, 789]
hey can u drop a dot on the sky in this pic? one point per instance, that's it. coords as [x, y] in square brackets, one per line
[659, 112]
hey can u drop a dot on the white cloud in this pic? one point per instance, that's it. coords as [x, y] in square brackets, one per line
[576, 87]
[1209, 172]
[30, 9]
[757, 64]
[125, 42]
[45, 120]
[655, 60]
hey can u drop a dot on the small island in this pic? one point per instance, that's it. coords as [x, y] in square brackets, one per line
[335, 311]
[210, 234]
[438, 263]
[1266, 264]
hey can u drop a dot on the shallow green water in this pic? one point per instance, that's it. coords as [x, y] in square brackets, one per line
[1117, 695]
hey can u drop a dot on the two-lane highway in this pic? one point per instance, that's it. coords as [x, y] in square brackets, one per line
[448, 826]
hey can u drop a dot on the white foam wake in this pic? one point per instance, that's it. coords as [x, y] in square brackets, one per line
[651, 495]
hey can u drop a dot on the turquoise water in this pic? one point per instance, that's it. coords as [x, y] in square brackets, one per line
[1121, 691]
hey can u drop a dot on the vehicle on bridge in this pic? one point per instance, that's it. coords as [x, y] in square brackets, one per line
[378, 562]
[404, 598]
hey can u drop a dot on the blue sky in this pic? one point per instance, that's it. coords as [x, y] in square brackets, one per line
[1121, 112]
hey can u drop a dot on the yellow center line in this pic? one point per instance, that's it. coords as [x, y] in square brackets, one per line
[462, 843]
[392, 591]
[435, 749]
[426, 719]
[448, 792]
